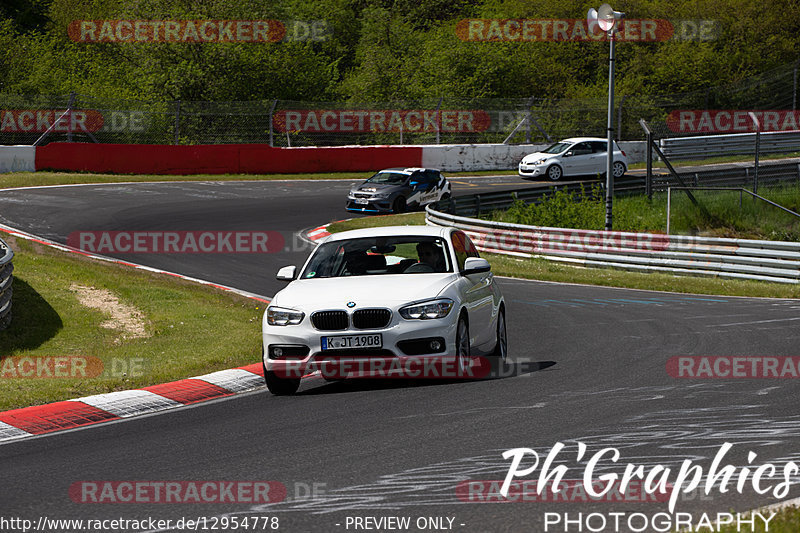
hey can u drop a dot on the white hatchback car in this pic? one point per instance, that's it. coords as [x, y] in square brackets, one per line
[391, 295]
[579, 156]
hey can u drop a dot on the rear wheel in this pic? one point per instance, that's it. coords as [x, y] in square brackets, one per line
[618, 169]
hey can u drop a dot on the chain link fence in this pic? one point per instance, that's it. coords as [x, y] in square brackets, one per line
[39, 119]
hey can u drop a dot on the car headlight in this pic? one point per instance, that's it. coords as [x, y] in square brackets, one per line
[539, 161]
[427, 310]
[382, 195]
[280, 316]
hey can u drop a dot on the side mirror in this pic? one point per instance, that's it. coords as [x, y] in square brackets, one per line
[568, 154]
[412, 183]
[287, 273]
[475, 265]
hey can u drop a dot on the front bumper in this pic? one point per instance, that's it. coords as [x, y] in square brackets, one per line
[531, 171]
[404, 342]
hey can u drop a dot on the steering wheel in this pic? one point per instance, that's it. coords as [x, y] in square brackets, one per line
[419, 267]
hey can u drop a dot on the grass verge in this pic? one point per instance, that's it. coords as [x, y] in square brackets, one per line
[721, 213]
[544, 270]
[189, 329]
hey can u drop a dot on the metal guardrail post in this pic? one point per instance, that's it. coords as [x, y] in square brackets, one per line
[758, 141]
[669, 206]
[477, 205]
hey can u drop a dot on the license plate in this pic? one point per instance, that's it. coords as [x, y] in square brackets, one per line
[362, 201]
[340, 342]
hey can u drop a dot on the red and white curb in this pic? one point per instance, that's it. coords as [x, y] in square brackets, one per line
[71, 414]
[317, 233]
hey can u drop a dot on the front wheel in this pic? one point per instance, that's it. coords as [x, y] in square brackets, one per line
[462, 347]
[280, 386]
[399, 205]
[554, 172]
[501, 347]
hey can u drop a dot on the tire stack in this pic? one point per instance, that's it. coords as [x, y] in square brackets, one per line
[6, 279]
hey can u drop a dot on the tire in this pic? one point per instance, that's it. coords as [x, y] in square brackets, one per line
[618, 169]
[554, 172]
[445, 196]
[280, 386]
[399, 205]
[501, 347]
[462, 346]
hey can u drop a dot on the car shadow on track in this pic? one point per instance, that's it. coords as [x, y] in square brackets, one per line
[498, 370]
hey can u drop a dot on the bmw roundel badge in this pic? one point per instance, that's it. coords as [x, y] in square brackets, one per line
[351, 304]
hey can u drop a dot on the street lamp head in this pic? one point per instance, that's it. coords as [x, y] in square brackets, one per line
[607, 18]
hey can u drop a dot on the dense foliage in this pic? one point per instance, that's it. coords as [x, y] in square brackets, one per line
[381, 50]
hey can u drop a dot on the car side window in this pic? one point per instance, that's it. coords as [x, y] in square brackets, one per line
[464, 248]
[599, 147]
[583, 148]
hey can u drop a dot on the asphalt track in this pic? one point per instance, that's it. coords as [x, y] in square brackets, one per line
[589, 365]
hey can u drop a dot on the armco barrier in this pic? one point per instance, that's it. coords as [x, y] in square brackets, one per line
[730, 144]
[6, 280]
[775, 261]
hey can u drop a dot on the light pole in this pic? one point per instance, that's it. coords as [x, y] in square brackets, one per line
[606, 18]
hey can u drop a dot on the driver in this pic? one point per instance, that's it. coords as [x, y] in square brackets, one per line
[431, 255]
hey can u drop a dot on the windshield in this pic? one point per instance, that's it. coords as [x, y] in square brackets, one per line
[394, 178]
[379, 255]
[556, 148]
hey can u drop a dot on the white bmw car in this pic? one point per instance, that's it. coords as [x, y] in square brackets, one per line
[380, 299]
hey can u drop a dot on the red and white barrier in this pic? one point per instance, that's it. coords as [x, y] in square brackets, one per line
[263, 159]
